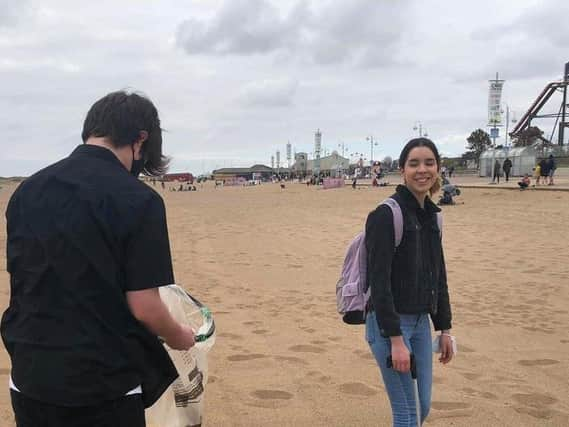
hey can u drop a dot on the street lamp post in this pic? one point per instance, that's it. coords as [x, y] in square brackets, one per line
[419, 126]
[371, 144]
[514, 120]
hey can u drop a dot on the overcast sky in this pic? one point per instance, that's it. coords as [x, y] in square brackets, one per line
[234, 80]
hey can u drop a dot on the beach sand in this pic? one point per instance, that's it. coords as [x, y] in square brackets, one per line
[266, 262]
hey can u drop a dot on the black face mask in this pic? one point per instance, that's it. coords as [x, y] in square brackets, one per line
[137, 165]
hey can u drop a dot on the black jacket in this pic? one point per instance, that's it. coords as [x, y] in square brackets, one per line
[411, 278]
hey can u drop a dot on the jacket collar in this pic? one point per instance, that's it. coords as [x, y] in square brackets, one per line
[411, 201]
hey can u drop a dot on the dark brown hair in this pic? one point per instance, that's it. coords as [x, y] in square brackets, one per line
[120, 116]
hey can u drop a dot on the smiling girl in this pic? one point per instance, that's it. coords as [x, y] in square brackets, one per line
[408, 284]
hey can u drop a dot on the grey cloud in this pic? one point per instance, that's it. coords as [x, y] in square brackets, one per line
[336, 33]
[269, 93]
[11, 12]
[519, 62]
[241, 27]
[544, 23]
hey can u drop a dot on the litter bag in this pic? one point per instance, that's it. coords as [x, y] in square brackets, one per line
[181, 405]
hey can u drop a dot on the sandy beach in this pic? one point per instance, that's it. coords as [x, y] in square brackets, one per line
[266, 262]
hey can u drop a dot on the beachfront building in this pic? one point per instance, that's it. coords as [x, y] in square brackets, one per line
[332, 165]
[256, 172]
[300, 166]
[523, 160]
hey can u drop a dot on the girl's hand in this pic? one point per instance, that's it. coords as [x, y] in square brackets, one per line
[400, 355]
[446, 349]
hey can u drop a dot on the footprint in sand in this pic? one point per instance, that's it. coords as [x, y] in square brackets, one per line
[319, 377]
[470, 375]
[465, 349]
[438, 380]
[357, 389]
[306, 348]
[449, 406]
[336, 339]
[292, 359]
[534, 400]
[477, 393]
[272, 395]
[364, 354]
[260, 331]
[564, 341]
[252, 323]
[538, 362]
[295, 266]
[243, 357]
[229, 335]
[540, 414]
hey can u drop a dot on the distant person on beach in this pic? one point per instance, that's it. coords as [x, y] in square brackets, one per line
[537, 174]
[551, 166]
[544, 171]
[507, 167]
[451, 171]
[354, 182]
[496, 171]
[87, 249]
[525, 182]
[408, 284]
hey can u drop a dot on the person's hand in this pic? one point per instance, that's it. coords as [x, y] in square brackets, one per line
[183, 339]
[400, 355]
[446, 349]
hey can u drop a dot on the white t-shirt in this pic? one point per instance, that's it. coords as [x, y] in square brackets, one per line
[136, 390]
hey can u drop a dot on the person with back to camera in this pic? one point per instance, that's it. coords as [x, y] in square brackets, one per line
[408, 284]
[551, 166]
[497, 171]
[507, 167]
[87, 249]
[544, 170]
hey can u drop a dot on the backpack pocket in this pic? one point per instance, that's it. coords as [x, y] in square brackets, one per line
[350, 289]
[345, 295]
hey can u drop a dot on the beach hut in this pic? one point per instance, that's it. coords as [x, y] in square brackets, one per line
[523, 160]
[487, 158]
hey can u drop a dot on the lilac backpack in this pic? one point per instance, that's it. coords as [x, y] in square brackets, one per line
[352, 292]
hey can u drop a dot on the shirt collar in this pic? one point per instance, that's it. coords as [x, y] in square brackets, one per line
[411, 201]
[90, 150]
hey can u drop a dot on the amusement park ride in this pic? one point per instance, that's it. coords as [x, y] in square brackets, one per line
[561, 117]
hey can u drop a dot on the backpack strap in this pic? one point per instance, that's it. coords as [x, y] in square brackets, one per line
[397, 219]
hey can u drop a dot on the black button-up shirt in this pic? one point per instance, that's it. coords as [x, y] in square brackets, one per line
[80, 234]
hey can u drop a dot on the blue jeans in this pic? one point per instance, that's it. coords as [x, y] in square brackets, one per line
[416, 331]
